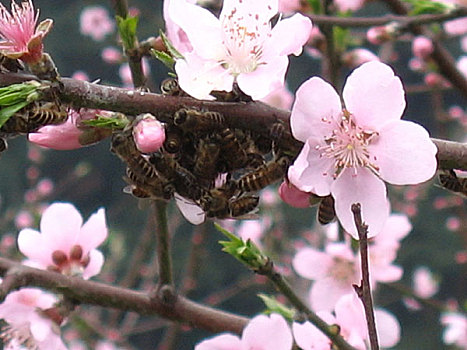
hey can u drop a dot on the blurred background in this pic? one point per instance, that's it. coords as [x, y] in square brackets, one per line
[91, 177]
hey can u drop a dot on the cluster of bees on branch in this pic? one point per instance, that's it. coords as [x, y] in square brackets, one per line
[204, 163]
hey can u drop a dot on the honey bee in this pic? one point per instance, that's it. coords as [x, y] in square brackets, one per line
[206, 160]
[219, 204]
[263, 176]
[449, 180]
[34, 116]
[232, 152]
[171, 87]
[326, 212]
[173, 140]
[243, 206]
[195, 121]
[10, 65]
[155, 188]
[3, 145]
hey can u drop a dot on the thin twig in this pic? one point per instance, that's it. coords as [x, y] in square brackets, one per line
[364, 290]
[164, 259]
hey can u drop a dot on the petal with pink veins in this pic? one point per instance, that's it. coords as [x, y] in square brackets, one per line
[364, 188]
[264, 333]
[94, 231]
[61, 225]
[316, 106]
[289, 35]
[310, 172]
[312, 264]
[264, 79]
[404, 153]
[201, 26]
[374, 95]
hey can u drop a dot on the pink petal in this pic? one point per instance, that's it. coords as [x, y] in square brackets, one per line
[221, 342]
[312, 264]
[308, 337]
[325, 293]
[310, 172]
[264, 79]
[388, 328]
[31, 244]
[316, 100]
[201, 26]
[289, 35]
[265, 333]
[95, 264]
[61, 225]
[374, 95]
[198, 77]
[293, 196]
[248, 8]
[364, 188]
[40, 328]
[386, 273]
[350, 315]
[93, 232]
[60, 137]
[404, 153]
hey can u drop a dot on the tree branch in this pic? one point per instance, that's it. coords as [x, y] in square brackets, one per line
[96, 293]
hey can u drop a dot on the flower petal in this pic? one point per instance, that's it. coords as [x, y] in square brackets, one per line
[404, 153]
[325, 293]
[289, 35]
[310, 172]
[311, 263]
[264, 79]
[201, 26]
[264, 333]
[364, 188]
[93, 232]
[221, 342]
[374, 95]
[307, 336]
[61, 225]
[316, 106]
[388, 328]
[31, 244]
[96, 261]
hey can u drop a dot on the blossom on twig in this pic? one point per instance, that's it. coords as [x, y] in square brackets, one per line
[349, 151]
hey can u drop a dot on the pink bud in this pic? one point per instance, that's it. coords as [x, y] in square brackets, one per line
[422, 47]
[293, 196]
[376, 35]
[111, 55]
[149, 134]
[80, 75]
[358, 56]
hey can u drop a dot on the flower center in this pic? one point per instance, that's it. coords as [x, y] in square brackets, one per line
[72, 264]
[243, 41]
[343, 270]
[348, 145]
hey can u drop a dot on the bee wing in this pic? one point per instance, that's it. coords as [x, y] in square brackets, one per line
[190, 210]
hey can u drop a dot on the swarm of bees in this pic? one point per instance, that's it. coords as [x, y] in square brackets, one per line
[451, 181]
[32, 117]
[204, 162]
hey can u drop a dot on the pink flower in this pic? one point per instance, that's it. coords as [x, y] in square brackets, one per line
[422, 47]
[175, 34]
[95, 22]
[308, 337]
[64, 243]
[349, 151]
[239, 47]
[349, 5]
[261, 333]
[20, 37]
[425, 285]
[149, 134]
[111, 55]
[456, 329]
[27, 325]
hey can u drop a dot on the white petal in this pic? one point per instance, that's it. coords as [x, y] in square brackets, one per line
[374, 95]
[264, 333]
[404, 153]
[311, 263]
[94, 231]
[221, 342]
[364, 188]
[96, 261]
[32, 245]
[325, 293]
[388, 328]
[315, 108]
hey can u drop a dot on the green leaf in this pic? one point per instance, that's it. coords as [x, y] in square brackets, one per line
[127, 30]
[16, 93]
[273, 306]
[164, 57]
[316, 6]
[429, 7]
[7, 111]
[172, 50]
[107, 122]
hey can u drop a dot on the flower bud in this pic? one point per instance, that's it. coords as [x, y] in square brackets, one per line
[422, 47]
[149, 134]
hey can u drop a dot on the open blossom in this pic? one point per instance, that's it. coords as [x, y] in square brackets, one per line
[262, 333]
[96, 22]
[349, 151]
[27, 326]
[239, 46]
[64, 244]
[20, 39]
[456, 329]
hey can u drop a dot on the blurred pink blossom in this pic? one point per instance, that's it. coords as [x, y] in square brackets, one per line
[64, 244]
[44, 187]
[262, 333]
[125, 73]
[111, 55]
[453, 223]
[21, 39]
[149, 134]
[358, 56]
[289, 6]
[381, 34]
[253, 230]
[456, 329]
[422, 47]
[279, 98]
[96, 22]
[462, 65]
[23, 219]
[349, 152]
[80, 75]
[464, 43]
[349, 5]
[424, 283]
[239, 47]
[28, 327]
